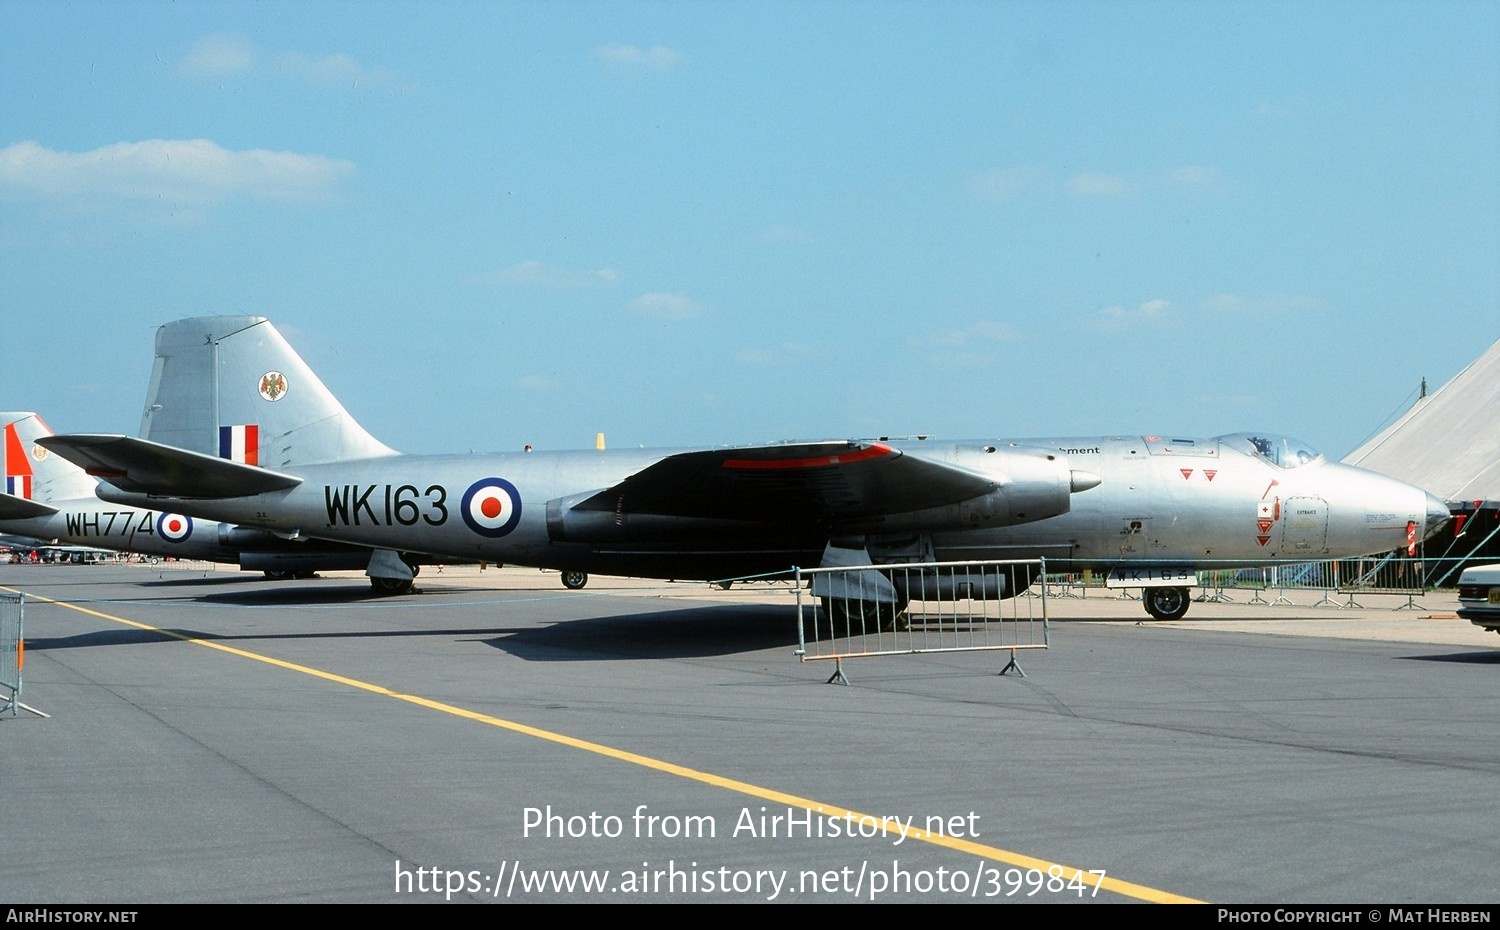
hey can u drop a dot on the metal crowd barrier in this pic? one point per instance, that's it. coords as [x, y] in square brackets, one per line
[863, 611]
[1339, 583]
[12, 650]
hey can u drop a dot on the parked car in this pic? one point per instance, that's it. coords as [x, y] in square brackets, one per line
[1479, 596]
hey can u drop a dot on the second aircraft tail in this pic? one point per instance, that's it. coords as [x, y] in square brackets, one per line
[33, 473]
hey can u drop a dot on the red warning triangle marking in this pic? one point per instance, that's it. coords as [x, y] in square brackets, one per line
[1265, 525]
[1209, 473]
[1186, 473]
[1262, 539]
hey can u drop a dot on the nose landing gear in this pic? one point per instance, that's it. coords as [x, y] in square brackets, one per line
[1166, 603]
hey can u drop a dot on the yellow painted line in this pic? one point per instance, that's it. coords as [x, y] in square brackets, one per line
[1129, 889]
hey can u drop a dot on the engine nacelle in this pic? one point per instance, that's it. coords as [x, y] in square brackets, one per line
[1034, 484]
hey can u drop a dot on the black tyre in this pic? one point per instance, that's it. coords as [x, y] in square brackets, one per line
[390, 587]
[574, 580]
[1166, 603]
[857, 618]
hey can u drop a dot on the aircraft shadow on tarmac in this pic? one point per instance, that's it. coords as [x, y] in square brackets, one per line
[1482, 657]
[659, 633]
[685, 633]
[114, 637]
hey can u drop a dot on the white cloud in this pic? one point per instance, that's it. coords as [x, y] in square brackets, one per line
[187, 171]
[784, 235]
[1235, 401]
[1261, 305]
[1008, 183]
[979, 332]
[663, 306]
[536, 383]
[1093, 184]
[1148, 313]
[790, 353]
[226, 54]
[333, 69]
[1193, 176]
[218, 55]
[1283, 106]
[533, 273]
[655, 58]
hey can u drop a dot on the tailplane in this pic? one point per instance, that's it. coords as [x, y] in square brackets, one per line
[32, 472]
[231, 386]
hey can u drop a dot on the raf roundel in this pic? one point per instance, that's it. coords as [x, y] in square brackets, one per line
[174, 527]
[492, 507]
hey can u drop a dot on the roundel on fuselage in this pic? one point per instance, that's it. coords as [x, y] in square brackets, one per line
[491, 507]
[174, 527]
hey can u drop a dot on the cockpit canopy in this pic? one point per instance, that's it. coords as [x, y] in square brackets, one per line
[1281, 451]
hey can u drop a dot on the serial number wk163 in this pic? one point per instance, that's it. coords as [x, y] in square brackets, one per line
[385, 504]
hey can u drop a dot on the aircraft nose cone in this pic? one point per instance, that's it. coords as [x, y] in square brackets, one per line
[1437, 515]
[1083, 480]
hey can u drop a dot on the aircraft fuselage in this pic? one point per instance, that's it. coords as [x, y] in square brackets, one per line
[144, 531]
[1180, 502]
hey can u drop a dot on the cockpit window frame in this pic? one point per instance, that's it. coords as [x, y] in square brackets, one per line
[1284, 452]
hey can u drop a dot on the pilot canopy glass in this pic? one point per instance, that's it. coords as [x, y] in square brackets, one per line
[1281, 451]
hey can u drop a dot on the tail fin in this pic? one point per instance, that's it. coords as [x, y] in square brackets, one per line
[30, 471]
[231, 386]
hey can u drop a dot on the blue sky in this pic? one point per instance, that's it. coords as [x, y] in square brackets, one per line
[488, 224]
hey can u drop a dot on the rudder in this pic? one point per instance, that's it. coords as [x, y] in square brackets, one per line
[232, 386]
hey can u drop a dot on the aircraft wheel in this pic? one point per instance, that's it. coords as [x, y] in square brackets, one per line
[276, 576]
[833, 619]
[390, 587]
[856, 618]
[574, 580]
[1166, 603]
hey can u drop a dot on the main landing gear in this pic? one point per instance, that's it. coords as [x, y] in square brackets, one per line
[1166, 603]
[848, 617]
[394, 587]
[574, 580]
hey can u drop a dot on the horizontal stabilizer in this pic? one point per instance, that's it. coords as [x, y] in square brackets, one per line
[19, 508]
[805, 482]
[144, 467]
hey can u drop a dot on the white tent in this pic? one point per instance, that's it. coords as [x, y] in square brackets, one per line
[1449, 441]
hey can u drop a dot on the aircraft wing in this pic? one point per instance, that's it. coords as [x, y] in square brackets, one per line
[800, 482]
[20, 508]
[144, 467]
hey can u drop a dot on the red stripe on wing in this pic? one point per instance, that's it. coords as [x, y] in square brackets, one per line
[875, 451]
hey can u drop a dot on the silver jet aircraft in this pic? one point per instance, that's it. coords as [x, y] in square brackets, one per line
[238, 428]
[49, 499]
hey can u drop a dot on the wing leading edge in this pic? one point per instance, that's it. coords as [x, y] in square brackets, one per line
[800, 482]
[144, 467]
